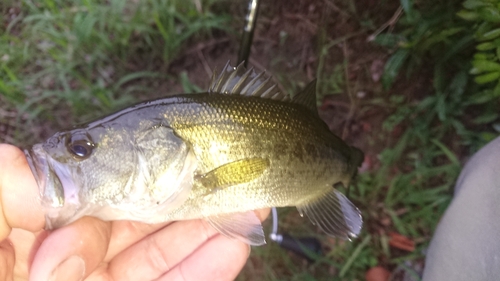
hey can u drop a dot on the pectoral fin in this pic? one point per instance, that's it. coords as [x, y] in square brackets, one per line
[245, 227]
[233, 173]
[334, 214]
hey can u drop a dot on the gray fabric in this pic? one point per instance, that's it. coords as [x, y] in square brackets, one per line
[466, 244]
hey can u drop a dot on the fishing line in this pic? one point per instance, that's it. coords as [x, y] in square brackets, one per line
[274, 234]
[307, 247]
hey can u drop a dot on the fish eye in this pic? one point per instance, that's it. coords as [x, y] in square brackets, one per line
[80, 146]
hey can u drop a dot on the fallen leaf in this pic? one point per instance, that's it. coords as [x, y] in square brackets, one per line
[401, 242]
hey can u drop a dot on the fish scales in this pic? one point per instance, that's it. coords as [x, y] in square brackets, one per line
[218, 155]
[258, 128]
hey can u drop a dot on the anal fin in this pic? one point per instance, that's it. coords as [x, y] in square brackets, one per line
[245, 227]
[334, 214]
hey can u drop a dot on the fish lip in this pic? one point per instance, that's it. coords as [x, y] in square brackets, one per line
[38, 167]
[47, 179]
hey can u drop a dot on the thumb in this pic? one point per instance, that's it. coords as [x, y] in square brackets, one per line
[19, 195]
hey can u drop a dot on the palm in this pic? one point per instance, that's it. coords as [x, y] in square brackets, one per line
[186, 250]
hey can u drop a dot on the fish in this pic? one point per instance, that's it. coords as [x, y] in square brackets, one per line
[241, 146]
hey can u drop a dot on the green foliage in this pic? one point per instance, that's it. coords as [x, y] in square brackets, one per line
[485, 17]
[418, 171]
[436, 35]
[429, 30]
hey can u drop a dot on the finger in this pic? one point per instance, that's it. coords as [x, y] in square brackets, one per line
[126, 233]
[161, 251]
[72, 252]
[7, 260]
[262, 214]
[220, 258]
[19, 196]
[25, 244]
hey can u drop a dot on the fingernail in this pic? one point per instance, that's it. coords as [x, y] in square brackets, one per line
[71, 269]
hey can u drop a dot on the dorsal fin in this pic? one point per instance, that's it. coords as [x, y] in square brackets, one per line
[307, 97]
[239, 81]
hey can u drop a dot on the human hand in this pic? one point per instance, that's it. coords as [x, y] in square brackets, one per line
[91, 249]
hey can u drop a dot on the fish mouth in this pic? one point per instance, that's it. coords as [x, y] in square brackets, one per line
[47, 178]
[58, 191]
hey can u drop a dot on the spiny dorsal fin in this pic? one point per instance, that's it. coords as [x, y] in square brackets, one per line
[307, 97]
[239, 81]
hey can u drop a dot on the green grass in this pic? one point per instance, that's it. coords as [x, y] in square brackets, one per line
[80, 59]
[64, 62]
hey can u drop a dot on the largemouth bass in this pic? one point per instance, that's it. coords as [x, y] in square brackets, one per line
[243, 145]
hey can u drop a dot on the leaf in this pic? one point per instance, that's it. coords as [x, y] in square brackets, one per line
[488, 117]
[473, 4]
[480, 56]
[407, 7]
[490, 34]
[187, 85]
[458, 83]
[486, 46]
[12, 76]
[486, 78]
[441, 106]
[354, 255]
[136, 75]
[401, 242]
[392, 67]
[467, 15]
[486, 66]
[490, 14]
[483, 96]
[449, 154]
[83, 26]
